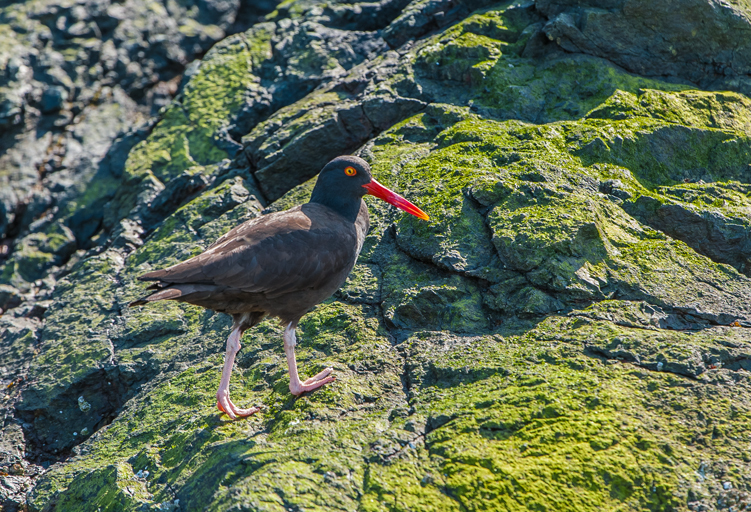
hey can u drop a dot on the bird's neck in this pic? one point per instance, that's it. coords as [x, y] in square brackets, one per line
[347, 207]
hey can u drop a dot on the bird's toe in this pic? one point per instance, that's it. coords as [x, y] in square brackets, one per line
[310, 386]
[233, 411]
[225, 408]
[244, 413]
[319, 376]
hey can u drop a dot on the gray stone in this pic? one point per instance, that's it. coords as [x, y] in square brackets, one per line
[11, 108]
[9, 297]
[53, 99]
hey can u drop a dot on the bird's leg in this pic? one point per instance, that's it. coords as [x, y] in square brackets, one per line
[295, 386]
[222, 396]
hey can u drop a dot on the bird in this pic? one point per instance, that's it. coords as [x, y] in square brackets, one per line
[280, 265]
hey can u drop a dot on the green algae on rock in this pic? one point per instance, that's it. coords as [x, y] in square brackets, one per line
[568, 332]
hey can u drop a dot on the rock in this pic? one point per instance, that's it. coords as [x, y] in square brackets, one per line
[723, 237]
[53, 99]
[9, 297]
[19, 336]
[344, 128]
[367, 16]
[579, 298]
[72, 75]
[341, 117]
[11, 108]
[37, 253]
[421, 17]
[648, 38]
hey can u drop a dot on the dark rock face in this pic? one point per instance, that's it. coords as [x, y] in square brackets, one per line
[695, 42]
[581, 298]
[77, 78]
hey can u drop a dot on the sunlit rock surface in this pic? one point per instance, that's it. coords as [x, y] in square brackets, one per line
[570, 331]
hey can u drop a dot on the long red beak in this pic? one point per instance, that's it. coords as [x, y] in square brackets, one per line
[376, 189]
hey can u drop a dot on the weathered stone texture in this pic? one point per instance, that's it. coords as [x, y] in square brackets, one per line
[570, 331]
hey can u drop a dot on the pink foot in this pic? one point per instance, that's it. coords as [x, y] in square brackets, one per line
[312, 383]
[226, 406]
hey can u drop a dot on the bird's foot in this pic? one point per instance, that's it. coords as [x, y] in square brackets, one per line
[226, 406]
[312, 383]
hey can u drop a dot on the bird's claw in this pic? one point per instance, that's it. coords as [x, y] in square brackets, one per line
[312, 383]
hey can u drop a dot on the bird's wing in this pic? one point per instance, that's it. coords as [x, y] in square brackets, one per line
[243, 229]
[279, 253]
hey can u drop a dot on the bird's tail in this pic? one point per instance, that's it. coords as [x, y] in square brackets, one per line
[165, 294]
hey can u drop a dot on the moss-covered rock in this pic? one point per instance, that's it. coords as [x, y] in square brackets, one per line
[37, 253]
[569, 331]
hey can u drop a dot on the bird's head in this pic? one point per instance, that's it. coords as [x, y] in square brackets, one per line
[346, 179]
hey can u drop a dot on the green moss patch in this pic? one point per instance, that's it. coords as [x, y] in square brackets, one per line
[544, 342]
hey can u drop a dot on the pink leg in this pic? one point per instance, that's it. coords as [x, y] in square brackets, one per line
[222, 396]
[296, 387]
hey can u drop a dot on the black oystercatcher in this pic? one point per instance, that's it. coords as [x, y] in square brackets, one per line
[280, 265]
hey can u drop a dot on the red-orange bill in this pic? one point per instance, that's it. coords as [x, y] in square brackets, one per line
[376, 189]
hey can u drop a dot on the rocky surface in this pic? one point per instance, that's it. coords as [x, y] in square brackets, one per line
[570, 331]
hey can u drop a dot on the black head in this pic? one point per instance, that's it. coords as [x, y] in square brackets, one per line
[340, 185]
[345, 180]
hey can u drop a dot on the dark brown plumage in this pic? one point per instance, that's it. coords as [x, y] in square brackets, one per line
[280, 265]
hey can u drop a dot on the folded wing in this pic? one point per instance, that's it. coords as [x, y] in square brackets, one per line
[296, 250]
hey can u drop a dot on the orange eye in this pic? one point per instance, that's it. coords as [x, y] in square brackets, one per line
[350, 171]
